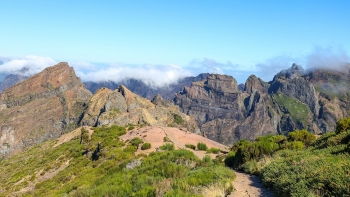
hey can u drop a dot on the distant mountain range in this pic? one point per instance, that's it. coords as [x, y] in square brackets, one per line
[55, 101]
[142, 89]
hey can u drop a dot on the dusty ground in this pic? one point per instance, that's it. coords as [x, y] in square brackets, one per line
[68, 136]
[249, 186]
[155, 136]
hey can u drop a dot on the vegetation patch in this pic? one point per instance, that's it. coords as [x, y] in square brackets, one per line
[299, 111]
[191, 146]
[116, 172]
[298, 165]
[178, 119]
[202, 146]
[146, 146]
[167, 146]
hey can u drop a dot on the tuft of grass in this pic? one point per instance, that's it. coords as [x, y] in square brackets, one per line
[191, 146]
[213, 150]
[202, 146]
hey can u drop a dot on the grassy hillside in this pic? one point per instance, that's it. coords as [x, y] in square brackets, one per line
[103, 165]
[299, 165]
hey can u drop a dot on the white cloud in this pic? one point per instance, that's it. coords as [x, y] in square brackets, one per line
[27, 66]
[152, 75]
[334, 58]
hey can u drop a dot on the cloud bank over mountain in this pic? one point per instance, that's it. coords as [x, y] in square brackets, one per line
[162, 75]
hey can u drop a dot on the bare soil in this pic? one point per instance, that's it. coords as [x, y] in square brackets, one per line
[180, 137]
[246, 185]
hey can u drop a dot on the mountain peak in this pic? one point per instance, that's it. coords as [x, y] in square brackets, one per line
[41, 107]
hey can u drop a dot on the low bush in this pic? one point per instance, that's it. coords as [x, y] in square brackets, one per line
[166, 139]
[146, 146]
[167, 146]
[178, 119]
[202, 146]
[191, 146]
[136, 141]
[213, 150]
[342, 125]
[302, 136]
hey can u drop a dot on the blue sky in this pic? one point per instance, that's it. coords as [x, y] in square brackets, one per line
[232, 37]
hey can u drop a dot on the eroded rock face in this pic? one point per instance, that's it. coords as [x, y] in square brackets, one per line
[41, 107]
[295, 99]
[221, 110]
[122, 107]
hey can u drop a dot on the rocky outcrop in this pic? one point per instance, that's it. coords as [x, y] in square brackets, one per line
[221, 110]
[41, 107]
[294, 99]
[11, 80]
[122, 107]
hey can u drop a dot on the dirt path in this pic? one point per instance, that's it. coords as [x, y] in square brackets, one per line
[249, 186]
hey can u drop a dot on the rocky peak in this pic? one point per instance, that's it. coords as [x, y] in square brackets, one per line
[222, 83]
[41, 107]
[159, 101]
[293, 72]
[253, 83]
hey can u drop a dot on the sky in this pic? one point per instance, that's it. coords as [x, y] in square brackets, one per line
[160, 42]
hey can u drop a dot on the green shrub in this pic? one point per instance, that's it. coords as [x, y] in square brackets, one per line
[178, 119]
[213, 150]
[167, 146]
[131, 127]
[166, 139]
[295, 145]
[136, 141]
[146, 146]
[207, 160]
[191, 146]
[303, 136]
[250, 167]
[202, 146]
[84, 137]
[342, 125]
[230, 157]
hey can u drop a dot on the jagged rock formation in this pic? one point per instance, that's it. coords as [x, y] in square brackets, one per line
[294, 99]
[144, 90]
[42, 107]
[122, 107]
[11, 80]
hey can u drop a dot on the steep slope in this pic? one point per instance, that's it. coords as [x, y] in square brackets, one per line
[122, 107]
[11, 80]
[103, 164]
[294, 99]
[144, 90]
[42, 107]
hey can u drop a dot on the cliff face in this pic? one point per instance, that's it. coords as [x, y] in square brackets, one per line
[295, 99]
[41, 107]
